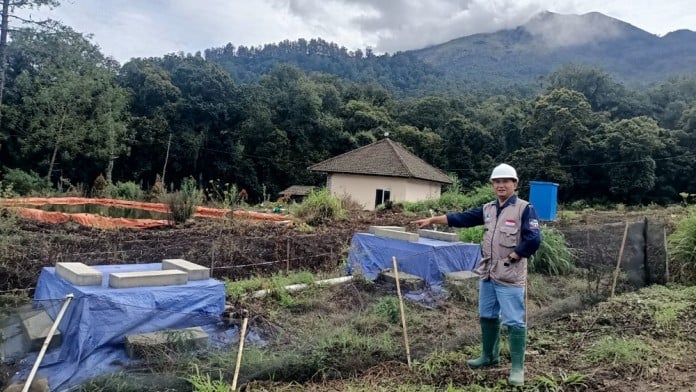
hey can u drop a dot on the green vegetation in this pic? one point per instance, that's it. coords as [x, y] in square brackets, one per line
[554, 257]
[453, 201]
[125, 190]
[17, 181]
[182, 204]
[236, 290]
[682, 249]
[625, 355]
[320, 207]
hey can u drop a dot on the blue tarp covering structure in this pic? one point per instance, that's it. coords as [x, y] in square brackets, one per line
[428, 259]
[97, 321]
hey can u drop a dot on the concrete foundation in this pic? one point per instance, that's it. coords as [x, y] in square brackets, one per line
[397, 228]
[185, 339]
[461, 277]
[36, 325]
[406, 281]
[40, 384]
[396, 234]
[194, 271]
[79, 274]
[122, 280]
[439, 235]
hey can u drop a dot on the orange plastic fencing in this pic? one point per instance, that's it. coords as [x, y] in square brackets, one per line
[103, 222]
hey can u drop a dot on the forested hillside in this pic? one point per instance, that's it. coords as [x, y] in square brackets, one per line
[246, 117]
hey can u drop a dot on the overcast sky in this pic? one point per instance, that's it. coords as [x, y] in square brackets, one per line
[151, 28]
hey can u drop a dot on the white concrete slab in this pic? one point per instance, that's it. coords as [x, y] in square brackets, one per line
[439, 235]
[122, 280]
[396, 234]
[194, 271]
[79, 274]
[397, 228]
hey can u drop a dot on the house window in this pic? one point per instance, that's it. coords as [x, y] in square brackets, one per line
[382, 196]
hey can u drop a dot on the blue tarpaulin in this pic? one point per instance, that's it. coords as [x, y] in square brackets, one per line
[428, 259]
[98, 320]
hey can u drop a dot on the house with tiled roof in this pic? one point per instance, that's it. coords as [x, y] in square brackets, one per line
[381, 172]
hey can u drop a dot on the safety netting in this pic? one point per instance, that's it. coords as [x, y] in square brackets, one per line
[98, 319]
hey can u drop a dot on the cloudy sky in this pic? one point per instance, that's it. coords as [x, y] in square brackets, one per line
[144, 28]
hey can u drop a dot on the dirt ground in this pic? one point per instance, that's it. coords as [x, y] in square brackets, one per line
[563, 314]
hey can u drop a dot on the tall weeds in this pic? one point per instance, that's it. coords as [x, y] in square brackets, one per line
[554, 257]
[182, 204]
[682, 250]
[320, 207]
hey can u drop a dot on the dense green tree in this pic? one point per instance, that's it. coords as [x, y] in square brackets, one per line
[63, 89]
[628, 147]
[9, 11]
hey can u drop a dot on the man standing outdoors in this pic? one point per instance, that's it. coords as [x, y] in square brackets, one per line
[511, 236]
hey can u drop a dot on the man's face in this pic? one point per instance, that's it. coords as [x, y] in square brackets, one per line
[504, 187]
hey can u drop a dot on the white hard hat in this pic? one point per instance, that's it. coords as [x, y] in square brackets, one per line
[504, 171]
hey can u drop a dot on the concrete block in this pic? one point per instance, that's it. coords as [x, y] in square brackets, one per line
[79, 274]
[36, 325]
[461, 277]
[185, 339]
[13, 341]
[406, 281]
[40, 384]
[397, 228]
[122, 280]
[439, 235]
[396, 234]
[194, 271]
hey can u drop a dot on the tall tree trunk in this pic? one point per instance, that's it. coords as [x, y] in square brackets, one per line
[4, 27]
[110, 168]
[166, 157]
[56, 147]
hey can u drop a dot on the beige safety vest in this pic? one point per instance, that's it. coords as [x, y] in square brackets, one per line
[502, 234]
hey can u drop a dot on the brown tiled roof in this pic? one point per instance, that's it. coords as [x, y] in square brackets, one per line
[382, 158]
[299, 190]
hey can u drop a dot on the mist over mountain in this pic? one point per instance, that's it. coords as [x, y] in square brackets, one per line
[521, 56]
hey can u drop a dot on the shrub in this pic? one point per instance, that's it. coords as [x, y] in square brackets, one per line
[182, 204]
[453, 201]
[682, 249]
[472, 235]
[126, 191]
[25, 183]
[100, 187]
[554, 257]
[319, 207]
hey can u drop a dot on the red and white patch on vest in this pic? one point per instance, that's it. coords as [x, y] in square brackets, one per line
[510, 222]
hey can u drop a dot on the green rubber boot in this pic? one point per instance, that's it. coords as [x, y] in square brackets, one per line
[490, 334]
[518, 343]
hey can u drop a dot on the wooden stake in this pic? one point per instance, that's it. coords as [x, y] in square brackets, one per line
[239, 353]
[618, 261]
[664, 235]
[403, 314]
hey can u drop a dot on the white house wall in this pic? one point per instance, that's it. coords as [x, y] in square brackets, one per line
[362, 189]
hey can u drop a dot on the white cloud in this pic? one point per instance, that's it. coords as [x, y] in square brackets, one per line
[146, 28]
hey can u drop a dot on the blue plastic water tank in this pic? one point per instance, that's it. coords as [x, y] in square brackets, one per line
[543, 196]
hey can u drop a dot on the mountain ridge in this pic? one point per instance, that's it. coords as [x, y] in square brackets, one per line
[516, 56]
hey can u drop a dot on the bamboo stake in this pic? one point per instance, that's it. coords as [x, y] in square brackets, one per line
[403, 314]
[618, 261]
[51, 332]
[239, 353]
[664, 235]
